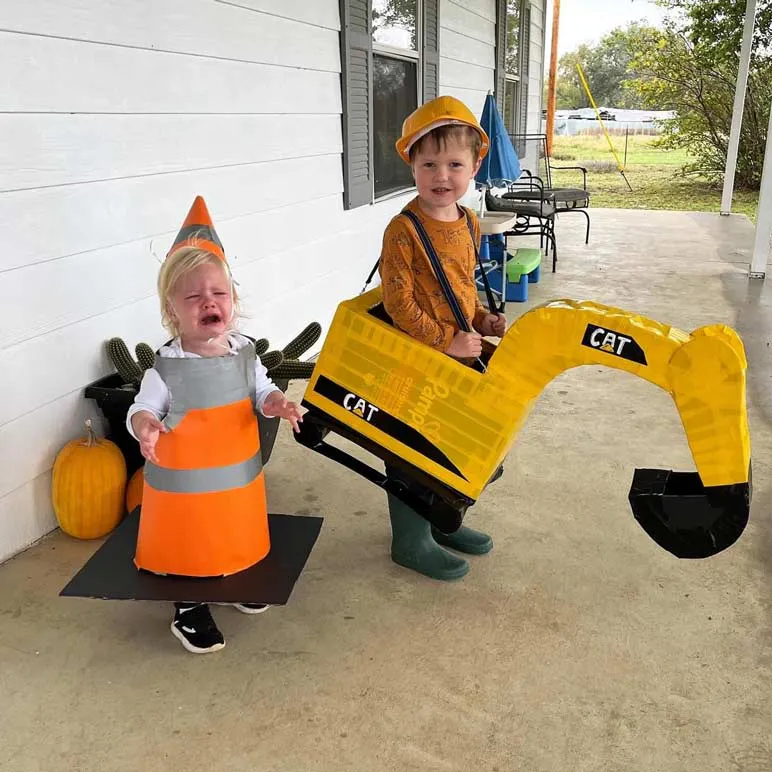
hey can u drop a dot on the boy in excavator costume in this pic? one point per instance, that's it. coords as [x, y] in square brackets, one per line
[444, 144]
[204, 505]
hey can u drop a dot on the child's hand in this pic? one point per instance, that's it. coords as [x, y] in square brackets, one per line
[276, 404]
[494, 325]
[147, 428]
[465, 344]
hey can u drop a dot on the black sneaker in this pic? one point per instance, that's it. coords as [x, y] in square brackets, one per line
[196, 630]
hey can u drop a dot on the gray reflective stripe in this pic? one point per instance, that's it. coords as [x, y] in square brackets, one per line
[251, 356]
[202, 231]
[221, 478]
[197, 383]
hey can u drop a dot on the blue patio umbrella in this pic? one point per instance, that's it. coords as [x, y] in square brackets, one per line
[500, 166]
[501, 162]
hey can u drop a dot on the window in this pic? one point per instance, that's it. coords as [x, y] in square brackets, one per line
[511, 52]
[390, 65]
[512, 57]
[396, 60]
[395, 95]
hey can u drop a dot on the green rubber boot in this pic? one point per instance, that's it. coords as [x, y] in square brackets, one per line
[412, 545]
[465, 540]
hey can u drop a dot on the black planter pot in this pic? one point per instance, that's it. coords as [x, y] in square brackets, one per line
[114, 398]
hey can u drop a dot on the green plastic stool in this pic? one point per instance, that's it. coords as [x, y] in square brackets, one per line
[523, 268]
[525, 262]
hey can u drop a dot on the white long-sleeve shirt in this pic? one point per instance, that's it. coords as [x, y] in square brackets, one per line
[153, 392]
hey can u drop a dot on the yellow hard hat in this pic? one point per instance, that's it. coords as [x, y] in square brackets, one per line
[442, 111]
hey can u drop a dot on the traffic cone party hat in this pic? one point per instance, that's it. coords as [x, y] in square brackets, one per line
[198, 231]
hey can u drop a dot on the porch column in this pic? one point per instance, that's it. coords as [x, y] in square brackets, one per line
[739, 102]
[762, 242]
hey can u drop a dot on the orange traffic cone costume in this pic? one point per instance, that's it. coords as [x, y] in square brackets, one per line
[203, 505]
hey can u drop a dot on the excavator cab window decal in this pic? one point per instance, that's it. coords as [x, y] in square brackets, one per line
[614, 343]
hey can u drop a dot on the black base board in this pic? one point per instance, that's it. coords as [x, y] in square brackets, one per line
[110, 572]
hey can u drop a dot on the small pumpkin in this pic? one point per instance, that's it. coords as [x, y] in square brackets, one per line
[134, 490]
[88, 486]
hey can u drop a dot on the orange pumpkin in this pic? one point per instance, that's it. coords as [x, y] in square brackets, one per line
[88, 486]
[134, 490]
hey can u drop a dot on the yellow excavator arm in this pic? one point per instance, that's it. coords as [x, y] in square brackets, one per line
[449, 426]
[703, 371]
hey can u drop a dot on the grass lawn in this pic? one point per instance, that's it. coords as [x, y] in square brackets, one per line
[654, 176]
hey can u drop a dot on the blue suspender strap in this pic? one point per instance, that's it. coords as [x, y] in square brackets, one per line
[439, 271]
[444, 284]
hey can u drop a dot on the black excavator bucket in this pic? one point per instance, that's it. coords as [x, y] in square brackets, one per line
[686, 518]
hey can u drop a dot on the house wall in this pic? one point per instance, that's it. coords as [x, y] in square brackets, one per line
[115, 116]
[468, 50]
[468, 58]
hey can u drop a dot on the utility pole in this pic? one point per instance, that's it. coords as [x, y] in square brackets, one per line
[553, 75]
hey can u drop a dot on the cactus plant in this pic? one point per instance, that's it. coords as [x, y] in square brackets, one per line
[124, 363]
[145, 355]
[300, 344]
[282, 365]
[272, 359]
[292, 368]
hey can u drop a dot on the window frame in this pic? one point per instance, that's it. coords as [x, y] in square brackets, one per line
[357, 51]
[408, 55]
[503, 78]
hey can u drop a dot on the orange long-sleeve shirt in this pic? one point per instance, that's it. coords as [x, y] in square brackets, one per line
[412, 296]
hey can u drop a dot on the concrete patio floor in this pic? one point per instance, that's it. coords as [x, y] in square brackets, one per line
[577, 645]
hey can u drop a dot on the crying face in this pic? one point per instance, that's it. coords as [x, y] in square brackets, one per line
[202, 301]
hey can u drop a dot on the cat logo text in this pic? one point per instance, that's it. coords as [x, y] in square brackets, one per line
[359, 406]
[622, 346]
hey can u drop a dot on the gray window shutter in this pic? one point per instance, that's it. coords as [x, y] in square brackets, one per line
[525, 60]
[501, 52]
[356, 87]
[431, 50]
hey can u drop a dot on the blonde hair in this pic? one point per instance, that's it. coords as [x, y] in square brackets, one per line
[179, 263]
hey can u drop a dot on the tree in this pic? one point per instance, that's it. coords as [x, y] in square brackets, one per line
[570, 93]
[691, 67]
[607, 69]
[718, 24]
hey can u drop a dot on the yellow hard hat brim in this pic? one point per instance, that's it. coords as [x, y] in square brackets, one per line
[444, 110]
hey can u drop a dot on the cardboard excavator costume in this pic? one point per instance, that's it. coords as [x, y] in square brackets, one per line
[448, 426]
[203, 532]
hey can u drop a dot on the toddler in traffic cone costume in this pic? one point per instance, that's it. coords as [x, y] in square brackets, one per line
[204, 504]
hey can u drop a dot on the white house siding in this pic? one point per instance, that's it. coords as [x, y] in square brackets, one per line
[468, 58]
[115, 115]
[468, 50]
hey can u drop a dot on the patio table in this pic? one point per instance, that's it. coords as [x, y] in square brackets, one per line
[492, 223]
